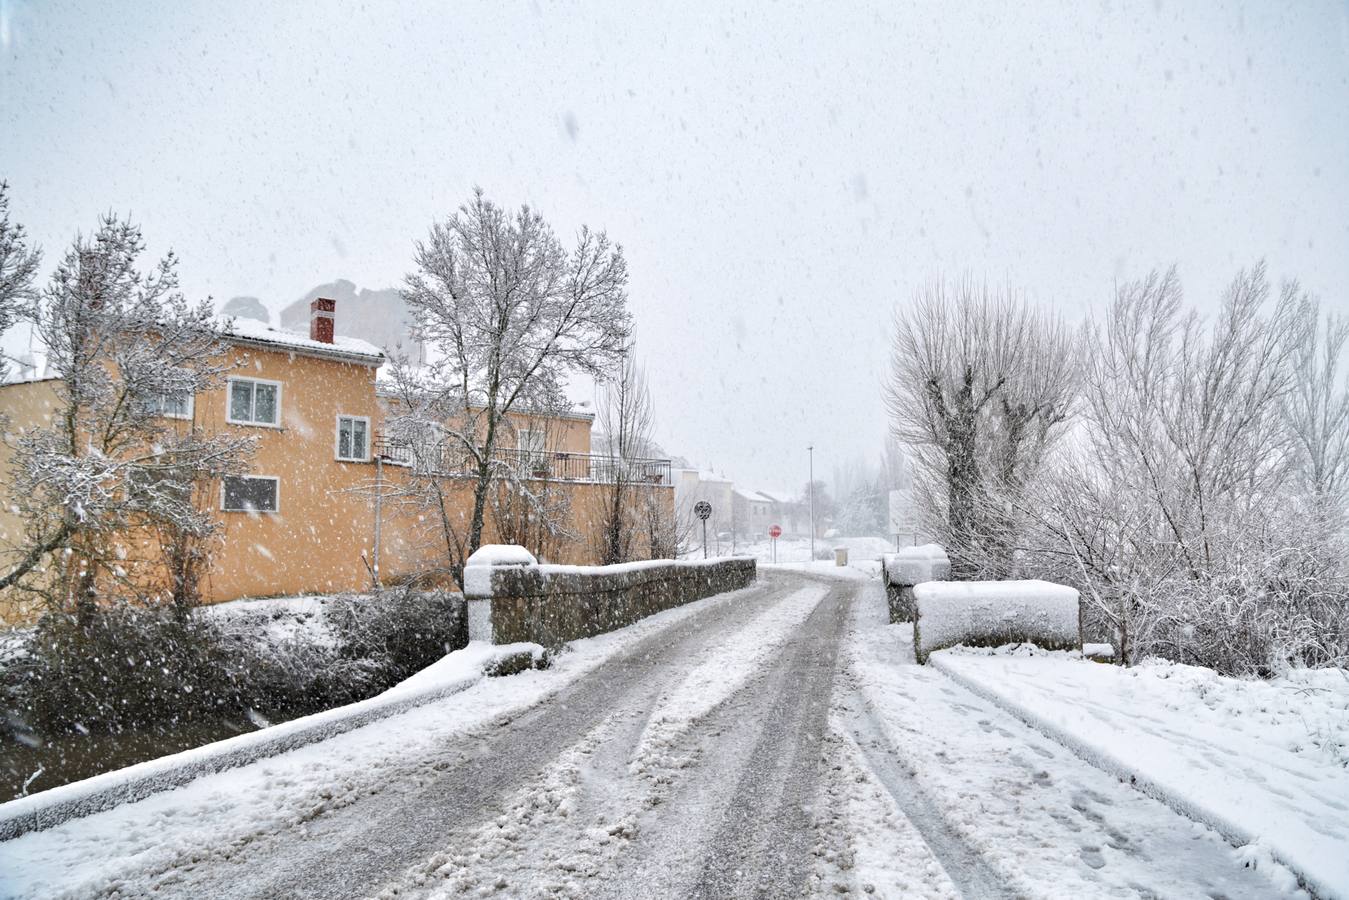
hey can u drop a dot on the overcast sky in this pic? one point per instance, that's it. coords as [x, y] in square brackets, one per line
[781, 175]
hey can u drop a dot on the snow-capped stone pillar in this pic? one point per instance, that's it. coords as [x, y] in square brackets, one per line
[908, 567]
[478, 590]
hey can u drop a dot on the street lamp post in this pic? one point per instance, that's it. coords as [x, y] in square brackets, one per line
[810, 492]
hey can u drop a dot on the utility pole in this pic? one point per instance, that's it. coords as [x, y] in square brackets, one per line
[810, 491]
[379, 497]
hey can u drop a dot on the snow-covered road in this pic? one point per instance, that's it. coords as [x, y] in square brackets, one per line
[774, 742]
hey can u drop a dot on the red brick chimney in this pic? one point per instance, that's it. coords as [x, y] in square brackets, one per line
[322, 312]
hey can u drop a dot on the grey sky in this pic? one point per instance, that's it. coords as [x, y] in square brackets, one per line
[780, 174]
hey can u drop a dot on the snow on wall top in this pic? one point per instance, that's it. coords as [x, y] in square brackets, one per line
[501, 555]
[915, 565]
[478, 570]
[990, 613]
[262, 333]
[1011, 591]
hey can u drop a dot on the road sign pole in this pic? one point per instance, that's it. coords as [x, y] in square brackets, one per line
[703, 510]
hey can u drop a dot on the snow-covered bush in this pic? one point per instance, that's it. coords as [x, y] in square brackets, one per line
[1198, 496]
[150, 668]
[127, 667]
[400, 631]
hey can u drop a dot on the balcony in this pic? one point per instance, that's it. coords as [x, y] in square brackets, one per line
[591, 468]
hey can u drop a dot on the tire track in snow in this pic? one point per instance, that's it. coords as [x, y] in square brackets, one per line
[739, 818]
[558, 834]
[385, 827]
[968, 871]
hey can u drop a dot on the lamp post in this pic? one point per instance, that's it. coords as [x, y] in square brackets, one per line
[810, 492]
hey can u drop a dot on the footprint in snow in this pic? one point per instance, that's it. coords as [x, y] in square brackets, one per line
[1092, 857]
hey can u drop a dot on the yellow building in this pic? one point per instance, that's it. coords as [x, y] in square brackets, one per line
[303, 519]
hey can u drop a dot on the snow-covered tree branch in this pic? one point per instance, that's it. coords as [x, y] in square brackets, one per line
[120, 343]
[507, 315]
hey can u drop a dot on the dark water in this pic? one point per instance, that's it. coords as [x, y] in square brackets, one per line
[70, 757]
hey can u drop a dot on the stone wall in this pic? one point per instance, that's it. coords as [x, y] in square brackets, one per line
[994, 613]
[551, 605]
[910, 566]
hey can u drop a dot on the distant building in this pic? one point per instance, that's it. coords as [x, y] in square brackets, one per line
[756, 511]
[692, 485]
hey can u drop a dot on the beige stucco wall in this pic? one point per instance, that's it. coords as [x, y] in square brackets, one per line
[323, 534]
[22, 406]
[315, 541]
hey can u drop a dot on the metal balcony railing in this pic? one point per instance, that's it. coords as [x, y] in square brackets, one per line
[439, 459]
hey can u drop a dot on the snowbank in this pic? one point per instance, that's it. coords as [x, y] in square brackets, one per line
[1266, 763]
[986, 789]
[992, 613]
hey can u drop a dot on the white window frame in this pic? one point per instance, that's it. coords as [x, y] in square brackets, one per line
[158, 410]
[253, 512]
[523, 445]
[229, 394]
[337, 439]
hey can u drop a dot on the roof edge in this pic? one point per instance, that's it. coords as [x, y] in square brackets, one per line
[354, 356]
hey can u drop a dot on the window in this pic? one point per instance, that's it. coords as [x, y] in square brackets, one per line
[251, 493]
[532, 460]
[531, 442]
[173, 406]
[353, 438]
[254, 402]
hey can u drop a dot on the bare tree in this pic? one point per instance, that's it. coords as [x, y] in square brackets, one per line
[626, 419]
[1317, 407]
[18, 268]
[123, 345]
[529, 506]
[1175, 518]
[981, 387]
[507, 315]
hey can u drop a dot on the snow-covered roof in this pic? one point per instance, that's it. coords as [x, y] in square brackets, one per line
[776, 496]
[385, 388]
[15, 377]
[251, 331]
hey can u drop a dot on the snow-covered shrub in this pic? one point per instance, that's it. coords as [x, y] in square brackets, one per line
[522, 661]
[133, 667]
[124, 667]
[400, 631]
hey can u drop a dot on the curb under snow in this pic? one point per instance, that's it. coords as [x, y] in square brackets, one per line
[1233, 832]
[111, 789]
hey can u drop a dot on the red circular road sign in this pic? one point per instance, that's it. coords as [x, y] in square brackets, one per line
[775, 531]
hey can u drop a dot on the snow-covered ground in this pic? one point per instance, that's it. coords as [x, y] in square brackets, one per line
[1032, 815]
[797, 550]
[218, 814]
[571, 822]
[1267, 762]
[788, 726]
